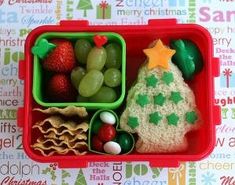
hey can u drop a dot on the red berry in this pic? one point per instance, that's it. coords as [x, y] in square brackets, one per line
[62, 58]
[106, 132]
[97, 144]
[60, 89]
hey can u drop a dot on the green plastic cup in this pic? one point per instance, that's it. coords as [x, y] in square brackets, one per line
[39, 78]
[118, 129]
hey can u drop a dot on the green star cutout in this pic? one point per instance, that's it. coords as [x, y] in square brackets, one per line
[155, 118]
[133, 122]
[42, 48]
[159, 99]
[172, 119]
[142, 100]
[167, 77]
[175, 97]
[191, 117]
[151, 81]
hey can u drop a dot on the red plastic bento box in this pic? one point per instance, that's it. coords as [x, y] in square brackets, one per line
[201, 142]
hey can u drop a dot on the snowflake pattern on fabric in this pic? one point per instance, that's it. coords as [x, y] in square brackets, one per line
[208, 178]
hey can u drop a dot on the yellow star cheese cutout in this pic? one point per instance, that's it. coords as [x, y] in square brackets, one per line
[159, 55]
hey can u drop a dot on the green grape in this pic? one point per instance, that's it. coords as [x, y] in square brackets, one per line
[112, 77]
[96, 59]
[82, 99]
[104, 95]
[76, 76]
[91, 83]
[81, 49]
[114, 56]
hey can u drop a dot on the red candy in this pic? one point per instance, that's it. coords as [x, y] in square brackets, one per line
[100, 40]
[97, 144]
[106, 132]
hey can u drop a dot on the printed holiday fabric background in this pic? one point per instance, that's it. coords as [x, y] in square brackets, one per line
[19, 17]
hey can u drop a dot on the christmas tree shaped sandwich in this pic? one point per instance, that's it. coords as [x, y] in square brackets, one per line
[160, 107]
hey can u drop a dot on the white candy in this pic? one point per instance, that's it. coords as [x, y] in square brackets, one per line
[112, 147]
[108, 118]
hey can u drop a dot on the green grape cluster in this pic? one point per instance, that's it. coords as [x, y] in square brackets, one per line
[98, 73]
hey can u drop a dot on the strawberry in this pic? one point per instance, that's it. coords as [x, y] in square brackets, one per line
[60, 89]
[62, 58]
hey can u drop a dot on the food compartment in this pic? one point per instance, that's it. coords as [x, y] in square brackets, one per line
[41, 76]
[137, 38]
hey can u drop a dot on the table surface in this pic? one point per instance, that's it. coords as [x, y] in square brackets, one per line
[17, 18]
